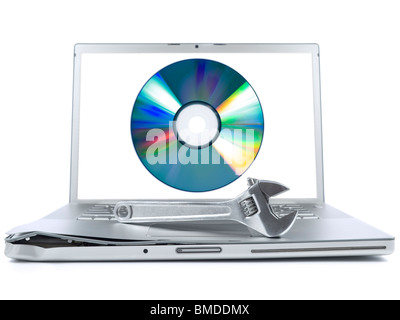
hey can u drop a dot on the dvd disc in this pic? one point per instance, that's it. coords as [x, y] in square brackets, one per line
[197, 125]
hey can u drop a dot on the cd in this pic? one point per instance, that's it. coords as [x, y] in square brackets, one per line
[197, 125]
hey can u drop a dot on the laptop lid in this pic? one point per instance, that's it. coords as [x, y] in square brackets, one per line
[108, 78]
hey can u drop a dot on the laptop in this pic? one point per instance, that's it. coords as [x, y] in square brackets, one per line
[107, 164]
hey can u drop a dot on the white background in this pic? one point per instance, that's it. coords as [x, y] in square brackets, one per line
[360, 72]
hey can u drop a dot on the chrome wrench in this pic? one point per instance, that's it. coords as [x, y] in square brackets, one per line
[251, 208]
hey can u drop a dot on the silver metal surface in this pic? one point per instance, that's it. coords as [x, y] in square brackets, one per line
[205, 252]
[334, 234]
[251, 209]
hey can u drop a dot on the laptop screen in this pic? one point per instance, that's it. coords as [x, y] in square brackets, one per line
[110, 162]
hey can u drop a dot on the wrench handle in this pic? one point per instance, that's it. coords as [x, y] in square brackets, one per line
[145, 212]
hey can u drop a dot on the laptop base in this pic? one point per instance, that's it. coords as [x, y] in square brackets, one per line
[196, 252]
[333, 234]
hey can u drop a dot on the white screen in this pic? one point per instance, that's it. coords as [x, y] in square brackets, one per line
[108, 166]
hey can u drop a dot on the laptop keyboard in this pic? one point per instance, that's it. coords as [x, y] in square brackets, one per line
[104, 212]
[284, 209]
[99, 212]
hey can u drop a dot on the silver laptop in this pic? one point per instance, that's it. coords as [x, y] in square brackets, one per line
[107, 165]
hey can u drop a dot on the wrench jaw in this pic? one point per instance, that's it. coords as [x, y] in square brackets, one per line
[268, 188]
[265, 220]
[278, 227]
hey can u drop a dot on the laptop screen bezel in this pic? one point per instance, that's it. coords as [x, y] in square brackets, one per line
[310, 48]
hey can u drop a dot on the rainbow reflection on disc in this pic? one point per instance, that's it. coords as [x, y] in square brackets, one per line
[197, 125]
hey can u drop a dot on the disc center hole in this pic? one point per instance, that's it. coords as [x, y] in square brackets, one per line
[197, 124]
